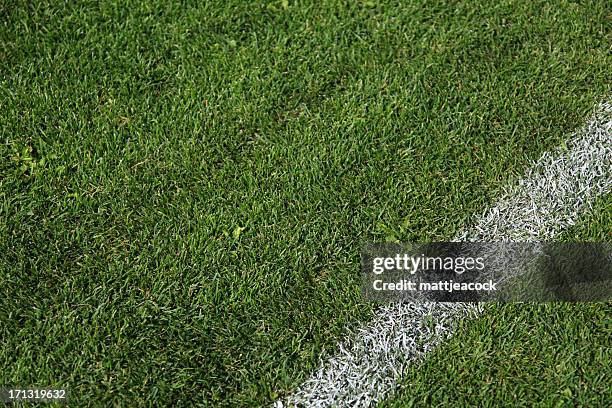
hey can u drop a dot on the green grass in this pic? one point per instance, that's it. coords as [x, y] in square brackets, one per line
[184, 188]
[524, 355]
[518, 356]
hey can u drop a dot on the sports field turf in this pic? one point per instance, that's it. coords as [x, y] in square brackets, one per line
[185, 188]
[524, 355]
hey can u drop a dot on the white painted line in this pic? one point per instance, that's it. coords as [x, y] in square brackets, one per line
[551, 197]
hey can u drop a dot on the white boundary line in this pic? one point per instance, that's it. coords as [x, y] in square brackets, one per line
[550, 197]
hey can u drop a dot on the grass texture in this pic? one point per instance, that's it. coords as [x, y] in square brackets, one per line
[524, 355]
[185, 186]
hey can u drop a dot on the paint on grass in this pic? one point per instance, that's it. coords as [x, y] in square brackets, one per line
[552, 195]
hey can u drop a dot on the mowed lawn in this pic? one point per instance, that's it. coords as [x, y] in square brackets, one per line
[185, 188]
[524, 355]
